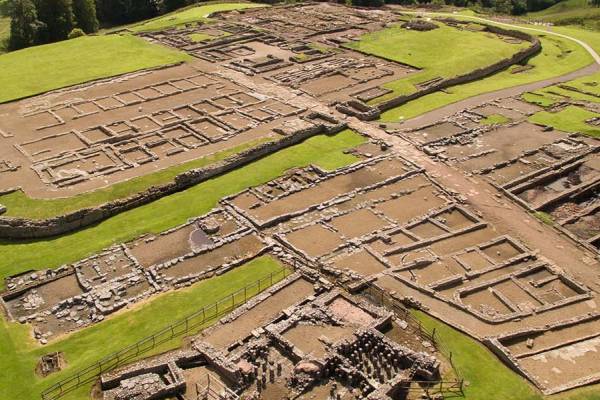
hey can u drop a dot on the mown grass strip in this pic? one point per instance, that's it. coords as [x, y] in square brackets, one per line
[486, 377]
[569, 119]
[20, 354]
[170, 211]
[20, 205]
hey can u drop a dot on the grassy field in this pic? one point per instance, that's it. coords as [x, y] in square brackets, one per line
[558, 57]
[495, 119]
[194, 14]
[591, 37]
[20, 353]
[584, 89]
[588, 84]
[463, 51]
[570, 12]
[569, 119]
[326, 151]
[21, 205]
[42, 68]
[485, 375]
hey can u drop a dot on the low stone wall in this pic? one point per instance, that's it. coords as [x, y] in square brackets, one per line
[22, 228]
[518, 57]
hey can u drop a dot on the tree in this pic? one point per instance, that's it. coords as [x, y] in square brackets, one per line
[170, 5]
[126, 11]
[4, 8]
[24, 25]
[84, 12]
[596, 3]
[519, 7]
[57, 15]
[504, 6]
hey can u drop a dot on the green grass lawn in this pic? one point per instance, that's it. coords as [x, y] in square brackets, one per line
[463, 51]
[21, 205]
[38, 69]
[495, 119]
[193, 14]
[558, 57]
[542, 100]
[588, 84]
[570, 119]
[173, 210]
[485, 375]
[19, 353]
[551, 95]
[591, 37]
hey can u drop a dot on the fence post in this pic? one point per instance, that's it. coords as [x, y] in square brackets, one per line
[60, 386]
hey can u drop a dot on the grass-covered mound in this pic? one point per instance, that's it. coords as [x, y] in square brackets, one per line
[558, 57]
[445, 52]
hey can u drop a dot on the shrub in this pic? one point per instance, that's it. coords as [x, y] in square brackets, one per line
[75, 33]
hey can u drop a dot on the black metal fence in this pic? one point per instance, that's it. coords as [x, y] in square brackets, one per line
[446, 387]
[191, 323]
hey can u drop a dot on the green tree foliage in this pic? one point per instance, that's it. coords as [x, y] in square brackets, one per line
[367, 3]
[84, 12]
[170, 5]
[536, 5]
[57, 15]
[126, 11]
[595, 3]
[519, 7]
[4, 8]
[24, 26]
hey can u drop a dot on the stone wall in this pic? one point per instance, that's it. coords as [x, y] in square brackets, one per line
[518, 57]
[22, 228]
